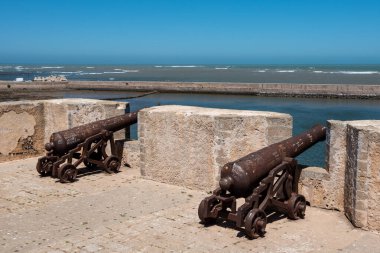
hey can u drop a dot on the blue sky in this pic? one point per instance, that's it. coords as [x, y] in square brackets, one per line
[192, 31]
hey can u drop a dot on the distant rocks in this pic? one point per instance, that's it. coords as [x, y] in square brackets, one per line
[51, 78]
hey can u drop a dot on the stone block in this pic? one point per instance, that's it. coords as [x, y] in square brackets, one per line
[61, 114]
[25, 126]
[21, 129]
[187, 146]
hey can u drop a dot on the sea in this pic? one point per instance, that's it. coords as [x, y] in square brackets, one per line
[325, 74]
[305, 111]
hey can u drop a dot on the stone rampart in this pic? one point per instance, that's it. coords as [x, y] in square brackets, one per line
[351, 182]
[25, 126]
[187, 146]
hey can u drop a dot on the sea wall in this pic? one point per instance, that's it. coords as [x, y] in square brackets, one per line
[259, 89]
[264, 89]
[185, 145]
[25, 126]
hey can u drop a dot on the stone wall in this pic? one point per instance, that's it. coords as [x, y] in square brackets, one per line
[187, 146]
[25, 126]
[351, 182]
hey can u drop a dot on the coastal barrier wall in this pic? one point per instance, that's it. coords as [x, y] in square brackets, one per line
[25, 126]
[258, 89]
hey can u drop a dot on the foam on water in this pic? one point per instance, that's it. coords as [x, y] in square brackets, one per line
[114, 72]
[178, 66]
[347, 72]
[52, 67]
[286, 71]
[357, 72]
[126, 70]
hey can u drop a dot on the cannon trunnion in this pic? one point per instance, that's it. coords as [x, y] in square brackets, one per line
[83, 144]
[268, 181]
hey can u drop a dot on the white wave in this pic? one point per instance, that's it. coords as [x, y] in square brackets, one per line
[90, 67]
[114, 72]
[127, 70]
[19, 68]
[286, 71]
[66, 72]
[52, 67]
[223, 68]
[347, 72]
[91, 73]
[184, 66]
[357, 72]
[178, 66]
[260, 70]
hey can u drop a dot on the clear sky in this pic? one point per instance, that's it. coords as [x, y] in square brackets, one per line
[192, 31]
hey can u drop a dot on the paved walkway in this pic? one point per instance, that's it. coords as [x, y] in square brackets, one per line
[125, 213]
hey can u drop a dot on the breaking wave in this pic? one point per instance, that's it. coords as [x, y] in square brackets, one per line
[347, 72]
[52, 67]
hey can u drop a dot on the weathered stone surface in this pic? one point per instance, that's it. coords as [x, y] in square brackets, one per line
[186, 145]
[325, 187]
[351, 182]
[21, 128]
[25, 126]
[61, 114]
[362, 181]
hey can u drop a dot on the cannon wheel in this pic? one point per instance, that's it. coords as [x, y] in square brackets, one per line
[44, 166]
[255, 223]
[112, 163]
[67, 173]
[206, 207]
[296, 207]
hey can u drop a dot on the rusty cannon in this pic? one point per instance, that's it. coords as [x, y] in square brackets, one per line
[268, 181]
[83, 144]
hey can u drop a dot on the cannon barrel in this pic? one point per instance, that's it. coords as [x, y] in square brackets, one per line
[61, 142]
[241, 176]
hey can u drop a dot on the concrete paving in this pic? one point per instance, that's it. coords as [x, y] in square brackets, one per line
[125, 213]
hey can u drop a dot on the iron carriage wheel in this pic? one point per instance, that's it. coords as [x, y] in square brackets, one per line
[112, 163]
[255, 223]
[206, 207]
[296, 207]
[44, 166]
[67, 173]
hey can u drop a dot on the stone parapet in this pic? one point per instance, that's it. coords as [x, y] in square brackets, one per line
[351, 182]
[187, 146]
[25, 126]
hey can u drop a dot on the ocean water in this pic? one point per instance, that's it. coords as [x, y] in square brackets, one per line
[324, 74]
